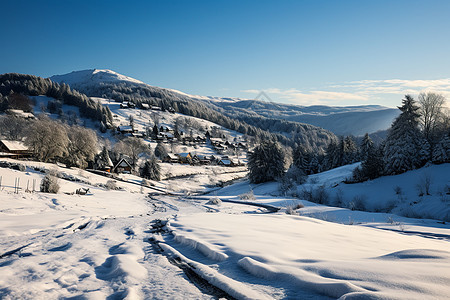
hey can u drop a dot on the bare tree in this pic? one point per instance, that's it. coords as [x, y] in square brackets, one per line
[132, 147]
[82, 146]
[12, 127]
[48, 140]
[431, 111]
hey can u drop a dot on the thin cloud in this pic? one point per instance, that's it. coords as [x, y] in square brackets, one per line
[355, 92]
[312, 97]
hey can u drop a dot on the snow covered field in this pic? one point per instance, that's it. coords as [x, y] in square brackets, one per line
[102, 244]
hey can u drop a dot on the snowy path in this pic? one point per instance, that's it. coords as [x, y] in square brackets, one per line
[107, 258]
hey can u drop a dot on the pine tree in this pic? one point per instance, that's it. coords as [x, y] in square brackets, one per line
[404, 140]
[155, 130]
[266, 162]
[302, 159]
[151, 169]
[349, 151]
[366, 146]
[372, 167]
[441, 152]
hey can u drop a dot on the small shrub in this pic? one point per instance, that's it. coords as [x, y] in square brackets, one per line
[357, 176]
[358, 203]
[54, 172]
[398, 190]
[390, 205]
[215, 201]
[146, 183]
[111, 185]
[307, 194]
[291, 211]
[320, 195]
[424, 184]
[339, 198]
[317, 195]
[289, 180]
[50, 184]
[247, 196]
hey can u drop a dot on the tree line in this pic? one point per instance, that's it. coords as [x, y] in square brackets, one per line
[419, 135]
[12, 84]
[284, 132]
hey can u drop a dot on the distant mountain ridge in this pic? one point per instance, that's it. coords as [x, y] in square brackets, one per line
[341, 120]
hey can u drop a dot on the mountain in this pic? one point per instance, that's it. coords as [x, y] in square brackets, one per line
[108, 84]
[93, 76]
[339, 120]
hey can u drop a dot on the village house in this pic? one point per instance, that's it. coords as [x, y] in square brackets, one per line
[170, 158]
[123, 166]
[185, 157]
[20, 113]
[14, 149]
[126, 129]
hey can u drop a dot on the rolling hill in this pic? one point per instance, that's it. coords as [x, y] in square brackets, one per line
[339, 120]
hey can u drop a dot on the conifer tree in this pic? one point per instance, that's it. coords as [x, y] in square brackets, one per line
[151, 169]
[404, 140]
[302, 159]
[366, 146]
[266, 162]
[350, 151]
[441, 152]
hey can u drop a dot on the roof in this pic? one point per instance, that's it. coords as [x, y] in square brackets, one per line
[172, 156]
[14, 145]
[184, 154]
[226, 162]
[21, 113]
[125, 128]
[123, 163]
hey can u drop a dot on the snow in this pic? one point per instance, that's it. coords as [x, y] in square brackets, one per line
[331, 259]
[92, 76]
[14, 145]
[96, 246]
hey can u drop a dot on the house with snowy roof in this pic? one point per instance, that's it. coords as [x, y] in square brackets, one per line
[123, 166]
[185, 157]
[14, 149]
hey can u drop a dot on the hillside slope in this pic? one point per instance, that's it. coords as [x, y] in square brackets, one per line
[339, 120]
[115, 87]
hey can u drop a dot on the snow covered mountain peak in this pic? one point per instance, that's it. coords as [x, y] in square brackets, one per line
[92, 76]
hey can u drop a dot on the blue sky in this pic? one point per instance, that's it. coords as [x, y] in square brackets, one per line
[302, 52]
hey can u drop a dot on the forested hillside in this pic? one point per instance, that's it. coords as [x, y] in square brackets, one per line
[100, 84]
[13, 84]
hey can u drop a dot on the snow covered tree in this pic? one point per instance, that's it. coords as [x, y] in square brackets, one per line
[430, 109]
[302, 159]
[366, 146]
[349, 151]
[266, 162]
[404, 140]
[132, 147]
[151, 169]
[161, 150]
[441, 152]
[82, 146]
[372, 167]
[48, 140]
[333, 156]
[155, 130]
[49, 184]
